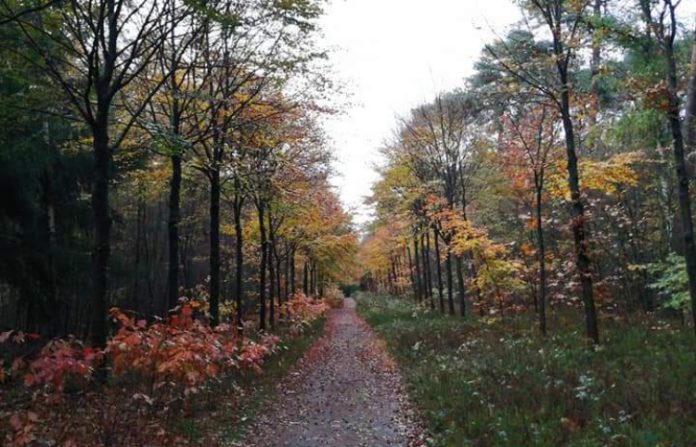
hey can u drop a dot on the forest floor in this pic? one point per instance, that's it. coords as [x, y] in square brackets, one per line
[493, 381]
[345, 391]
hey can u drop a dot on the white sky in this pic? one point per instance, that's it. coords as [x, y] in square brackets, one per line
[394, 55]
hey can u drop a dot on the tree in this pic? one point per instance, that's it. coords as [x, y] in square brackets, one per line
[562, 20]
[666, 32]
[102, 57]
[532, 138]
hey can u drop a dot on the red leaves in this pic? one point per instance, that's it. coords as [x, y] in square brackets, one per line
[302, 311]
[161, 362]
[59, 358]
[183, 353]
[22, 428]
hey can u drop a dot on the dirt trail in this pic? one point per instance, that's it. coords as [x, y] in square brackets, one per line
[344, 392]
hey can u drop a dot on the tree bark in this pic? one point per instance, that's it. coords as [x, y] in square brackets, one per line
[682, 172]
[690, 109]
[427, 271]
[462, 287]
[239, 259]
[450, 285]
[305, 279]
[542, 262]
[271, 271]
[438, 267]
[595, 63]
[579, 225]
[173, 234]
[293, 270]
[102, 229]
[262, 266]
[214, 177]
[412, 273]
[288, 252]
[417, 261]
[174, 185]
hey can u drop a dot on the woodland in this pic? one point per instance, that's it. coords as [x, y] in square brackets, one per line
[172, 245]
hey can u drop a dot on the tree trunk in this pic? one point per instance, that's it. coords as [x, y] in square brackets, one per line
[175, 181]
[462, 287]
[438, 267]
[262, 266]
[542, 264]
[173, 234]
[140, 210]
[239, 261]
[412, 273]
[595, 63]
[288, 254]
[102, 230]
[469, 254]
[427, 271]
[305, 279]
[690, 109]
[214, 246]
[313, 278]
[579, 225]
[450, 286]
[293, 270]
[279, 274]
[417, 261]
[682, 175]
[271, 271]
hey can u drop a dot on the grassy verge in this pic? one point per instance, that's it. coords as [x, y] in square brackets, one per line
[492, 382]
[227, 412]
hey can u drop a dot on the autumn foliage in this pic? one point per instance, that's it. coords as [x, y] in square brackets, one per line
[302, 310]
[158, 363]
[183, 352]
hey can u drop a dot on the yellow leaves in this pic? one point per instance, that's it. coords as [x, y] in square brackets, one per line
[499, 275]
[603, 176]
[227, 229]
[496, 273]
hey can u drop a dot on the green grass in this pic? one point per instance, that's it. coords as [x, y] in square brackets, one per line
[227, 411]
[493, 382]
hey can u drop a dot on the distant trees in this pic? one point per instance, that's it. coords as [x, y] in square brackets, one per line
[560, 132]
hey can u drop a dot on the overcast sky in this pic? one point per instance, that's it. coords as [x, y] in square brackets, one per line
[393, 55]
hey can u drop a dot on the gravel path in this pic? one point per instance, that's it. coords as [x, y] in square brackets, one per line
[344, 392]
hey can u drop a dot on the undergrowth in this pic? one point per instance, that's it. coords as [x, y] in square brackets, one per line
[231, 412]
[496, 382]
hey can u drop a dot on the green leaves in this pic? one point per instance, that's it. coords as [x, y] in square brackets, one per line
[672, 281]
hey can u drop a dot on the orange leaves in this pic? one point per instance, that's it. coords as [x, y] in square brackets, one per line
[183, 353]
[253, 353]
[60, 358]
[302, 311]
[527, 250]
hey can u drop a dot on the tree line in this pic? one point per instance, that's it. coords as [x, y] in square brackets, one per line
[162, 148]
[559, 174]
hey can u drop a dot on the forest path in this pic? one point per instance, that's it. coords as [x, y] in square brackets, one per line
[345, 391]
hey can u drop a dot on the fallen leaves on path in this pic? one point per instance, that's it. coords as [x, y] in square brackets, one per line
[345, 391]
